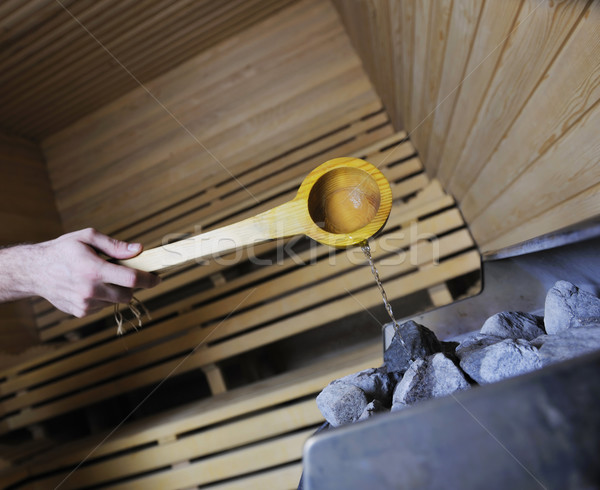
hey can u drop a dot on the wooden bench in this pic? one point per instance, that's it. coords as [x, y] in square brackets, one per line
[252, 310]
[249, 438]
[206, 315]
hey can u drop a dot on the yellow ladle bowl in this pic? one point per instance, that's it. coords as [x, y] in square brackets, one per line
[340, 203]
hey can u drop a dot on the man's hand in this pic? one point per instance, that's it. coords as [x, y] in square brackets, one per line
[69, 273]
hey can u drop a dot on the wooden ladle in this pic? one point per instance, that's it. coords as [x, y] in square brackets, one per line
[340, 203]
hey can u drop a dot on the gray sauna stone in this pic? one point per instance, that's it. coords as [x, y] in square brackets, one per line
[504, 359]
[420, 342]
[570, 343]
[567, 306]
[514, 325]
[341, 403]
[432, 377]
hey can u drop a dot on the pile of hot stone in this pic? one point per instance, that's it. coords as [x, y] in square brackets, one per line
[508, 344]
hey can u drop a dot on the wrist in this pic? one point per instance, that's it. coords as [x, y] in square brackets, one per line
[18, 266]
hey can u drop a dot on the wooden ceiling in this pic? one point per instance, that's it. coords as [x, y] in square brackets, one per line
[54, 68]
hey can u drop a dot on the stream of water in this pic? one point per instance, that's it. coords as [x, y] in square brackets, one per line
[388, 307]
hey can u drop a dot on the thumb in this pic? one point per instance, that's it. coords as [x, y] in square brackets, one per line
[110, 246]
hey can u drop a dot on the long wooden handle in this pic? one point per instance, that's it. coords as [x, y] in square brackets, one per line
[285, 220]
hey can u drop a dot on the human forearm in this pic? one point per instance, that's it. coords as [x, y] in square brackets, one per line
[69, 273]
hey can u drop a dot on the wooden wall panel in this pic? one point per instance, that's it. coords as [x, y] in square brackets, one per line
[572, 93]
[495, 25]
[27, 209]
[461, 33]
[499, 92]
[275, 86]
[436, 43]
[56, 61]
[533, 43]
[27, 213]
[419, 69]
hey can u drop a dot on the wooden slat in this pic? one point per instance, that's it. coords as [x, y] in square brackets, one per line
[419, 59]
[405, 188]
[182, 44]
[271, 392]
[495, 26]
[297, 280]
[437, 33]
[315, 317]
[262, 181]
[583, 205]
[525, 72]
[322, 77]
[420, 206]
[272, 423]
[176, 87]
[407, 214]
[285, 477]
[254, 458]
[262, 185]
[403, 55]
[461, 36]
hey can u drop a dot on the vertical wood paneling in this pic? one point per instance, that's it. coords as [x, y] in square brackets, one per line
[580, 206]
[403, 54]
[439, 23]
[377, 15]
[496, 23]
[461, 35]
[527, 73]
[419, 70]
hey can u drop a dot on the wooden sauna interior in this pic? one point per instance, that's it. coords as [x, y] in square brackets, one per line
[150, 120]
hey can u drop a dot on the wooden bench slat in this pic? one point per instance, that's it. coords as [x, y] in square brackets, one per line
[426, 202]
[279, 451]
[238, 433]
[226, 207]
[286, 477]
[398, 190]
[315, 317]
[303, 298]
[268, 393]
[298, 279]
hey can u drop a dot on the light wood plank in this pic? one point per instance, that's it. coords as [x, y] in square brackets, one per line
[404, 285]
[438, 30]
[419, 68]
[259, 457]
[296, 281]
[584, 205]
[461, 36]
[261, 395]
[49, 57]
[272, 423]
[403, 55]
[286, 477]
[495, 26]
